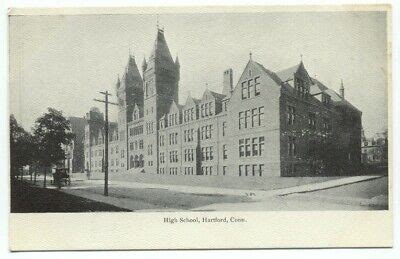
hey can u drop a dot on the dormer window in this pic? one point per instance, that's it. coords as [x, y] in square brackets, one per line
[326, 99]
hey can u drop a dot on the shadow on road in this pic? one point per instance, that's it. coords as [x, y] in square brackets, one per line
[26, 198]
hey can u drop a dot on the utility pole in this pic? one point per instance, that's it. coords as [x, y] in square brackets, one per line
[106, 102]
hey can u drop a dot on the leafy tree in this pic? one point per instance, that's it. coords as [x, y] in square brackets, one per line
[22, 147]
[51, 132]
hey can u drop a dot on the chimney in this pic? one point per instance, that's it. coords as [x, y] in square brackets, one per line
[228, 82]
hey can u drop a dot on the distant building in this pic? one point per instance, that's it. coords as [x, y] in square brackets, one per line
[74, 152]
[94, 143]
[283, 123]
[375, 150]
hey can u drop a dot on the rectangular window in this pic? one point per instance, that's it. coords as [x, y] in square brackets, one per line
[326, 124]
[257, 90]
[241, 170]
[254, 117]
[291, 115]
[292, 146]
[247, 170]
[224, 170]
[244, 90]
[261, 116]
[246, 119]
[260, 146]
[254, 170]
[247, 147]
[261, 169]
[255, 146]
[224, 151]
[312, 120]
[241, 147]
[241, 120]
[223, 128]
[250, 88]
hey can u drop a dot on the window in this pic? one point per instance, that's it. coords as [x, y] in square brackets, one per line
[244, 90]
[247, 170]
[241, 120]
[247, 147]
[246, 118]
[224, 151]
[301, 88]
[223, 128]
[241, 170]
[257, 91]
[291, 146]
[261, 145]
[251, 147]
[261, 116]
[261, 169]
[312, 120]
[224, 170]
[291, 115]
[256, 115]
[326, 99]
[241, 147]
[326, 124]
[251, 88]
[255, 146]
[254, 170]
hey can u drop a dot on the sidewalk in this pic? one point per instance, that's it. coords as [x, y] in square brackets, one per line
[256, 194]
[261, 199]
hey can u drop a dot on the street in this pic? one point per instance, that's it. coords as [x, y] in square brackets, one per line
[348, 193]
[26, 198]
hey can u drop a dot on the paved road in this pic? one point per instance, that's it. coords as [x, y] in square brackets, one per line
[357, 193]
[365, 195]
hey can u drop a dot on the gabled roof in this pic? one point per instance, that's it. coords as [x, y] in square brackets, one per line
[335, 97]
[271, 74]
[190, 98]
[174, 104]
[217, 96]
[288, 73]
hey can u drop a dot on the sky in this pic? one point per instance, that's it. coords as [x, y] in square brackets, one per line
[64, 61]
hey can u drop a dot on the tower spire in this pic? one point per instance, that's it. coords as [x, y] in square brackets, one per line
[341, 89]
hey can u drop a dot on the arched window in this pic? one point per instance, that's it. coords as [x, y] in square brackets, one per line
[131, 162]
[136, 164]
[141, 162]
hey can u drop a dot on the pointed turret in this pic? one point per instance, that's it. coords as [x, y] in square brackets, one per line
[160, 53]
[177, 67]
[132, 71]
[118, 82]
[144, 64]
[341, 89]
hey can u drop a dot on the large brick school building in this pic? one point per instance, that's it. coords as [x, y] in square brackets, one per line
[282, 123]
